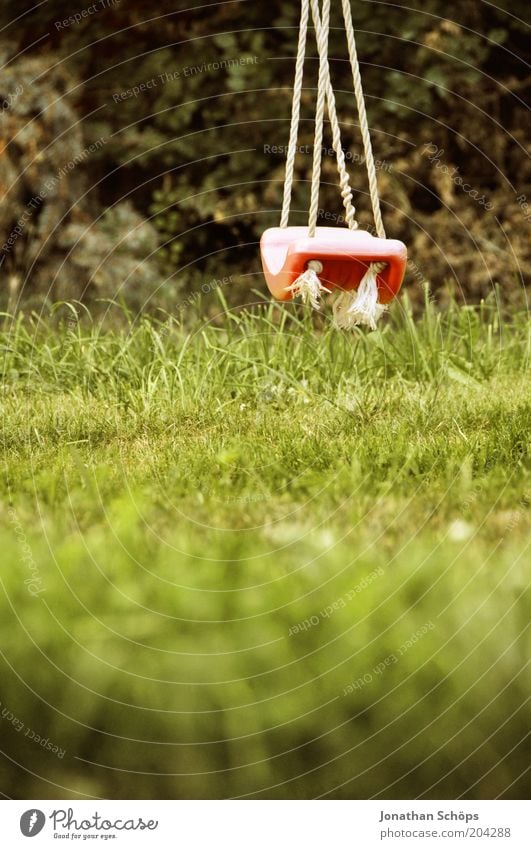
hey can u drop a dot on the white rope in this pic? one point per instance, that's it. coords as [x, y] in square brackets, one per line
[295, 113]
[322, 47]
[364, 126]
[359, 306]
[346, 191]
[308, 285]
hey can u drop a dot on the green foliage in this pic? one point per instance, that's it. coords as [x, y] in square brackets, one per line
[203, 492]
[55, 242]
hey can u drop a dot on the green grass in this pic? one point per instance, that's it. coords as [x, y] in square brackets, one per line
[183, 499]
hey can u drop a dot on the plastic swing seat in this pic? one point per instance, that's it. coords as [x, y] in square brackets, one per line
[344, 255]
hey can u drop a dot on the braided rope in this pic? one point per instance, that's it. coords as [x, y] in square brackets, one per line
[295, 113]
[354, 307]
[325, 92]
[322, 47]
[344, 181]
[364, 126]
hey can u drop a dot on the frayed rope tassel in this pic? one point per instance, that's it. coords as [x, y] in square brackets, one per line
[308, 285]
[360, 306]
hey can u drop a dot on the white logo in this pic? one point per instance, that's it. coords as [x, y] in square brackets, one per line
[32, 822]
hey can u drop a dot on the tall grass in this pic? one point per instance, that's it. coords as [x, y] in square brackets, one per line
[267, 559]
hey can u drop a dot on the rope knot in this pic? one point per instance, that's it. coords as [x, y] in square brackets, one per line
[360, 306]
[308, 284]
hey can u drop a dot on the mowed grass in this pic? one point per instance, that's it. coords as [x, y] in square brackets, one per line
[256, 559]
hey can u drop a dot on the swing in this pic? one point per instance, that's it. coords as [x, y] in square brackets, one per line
[366, 270]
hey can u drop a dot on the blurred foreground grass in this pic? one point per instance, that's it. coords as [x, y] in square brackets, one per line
[255, 560]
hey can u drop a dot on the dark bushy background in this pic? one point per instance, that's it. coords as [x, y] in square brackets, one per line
[174, 186]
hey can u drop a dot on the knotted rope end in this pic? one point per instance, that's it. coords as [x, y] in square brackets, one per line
[308, 285]
[360, 306]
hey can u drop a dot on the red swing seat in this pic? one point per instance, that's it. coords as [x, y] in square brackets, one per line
[344, 254]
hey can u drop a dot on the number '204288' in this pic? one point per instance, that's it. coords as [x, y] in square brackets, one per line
[489, 832]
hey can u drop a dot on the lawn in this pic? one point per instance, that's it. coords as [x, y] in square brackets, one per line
[255, 558]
